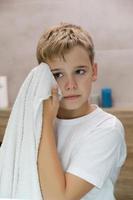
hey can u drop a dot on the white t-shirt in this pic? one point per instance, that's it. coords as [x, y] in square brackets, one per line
[93, 148]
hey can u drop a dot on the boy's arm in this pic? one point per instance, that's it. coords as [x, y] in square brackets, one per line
[51, 174]
[54, 182]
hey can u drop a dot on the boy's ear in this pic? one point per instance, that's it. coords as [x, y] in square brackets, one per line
[94, 72]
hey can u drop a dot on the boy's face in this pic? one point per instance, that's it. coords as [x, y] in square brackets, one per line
[74, 76]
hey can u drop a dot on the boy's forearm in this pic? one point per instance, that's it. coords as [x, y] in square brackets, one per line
[51, 174]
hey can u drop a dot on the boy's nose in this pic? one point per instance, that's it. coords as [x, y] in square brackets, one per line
[70, 84]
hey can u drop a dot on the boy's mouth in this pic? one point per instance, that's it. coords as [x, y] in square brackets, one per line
[71, 97]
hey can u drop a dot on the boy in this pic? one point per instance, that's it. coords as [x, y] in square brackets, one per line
[82, 148]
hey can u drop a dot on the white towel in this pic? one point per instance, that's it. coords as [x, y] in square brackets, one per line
[18, 153]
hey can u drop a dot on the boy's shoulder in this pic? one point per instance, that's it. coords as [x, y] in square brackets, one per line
[108, 118]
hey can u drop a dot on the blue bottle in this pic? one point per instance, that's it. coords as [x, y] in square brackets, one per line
[106, 97]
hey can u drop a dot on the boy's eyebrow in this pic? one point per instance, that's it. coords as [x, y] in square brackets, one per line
[81, 66]
[76, 67]
[57, 69]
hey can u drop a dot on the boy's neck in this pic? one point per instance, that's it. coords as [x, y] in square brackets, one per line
[71, 114]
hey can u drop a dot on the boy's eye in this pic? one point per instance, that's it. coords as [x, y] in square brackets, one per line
[80, 71]
[57, 75]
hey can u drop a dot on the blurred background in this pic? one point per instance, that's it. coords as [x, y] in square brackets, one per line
[109, 22]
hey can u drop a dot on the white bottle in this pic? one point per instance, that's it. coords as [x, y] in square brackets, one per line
[3, 92]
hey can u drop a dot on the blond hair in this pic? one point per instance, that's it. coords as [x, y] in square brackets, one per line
[60, 39]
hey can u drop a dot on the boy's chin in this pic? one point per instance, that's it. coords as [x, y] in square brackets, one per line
[70, 107]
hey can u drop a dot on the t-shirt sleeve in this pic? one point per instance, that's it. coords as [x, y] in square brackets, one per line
[97, 154]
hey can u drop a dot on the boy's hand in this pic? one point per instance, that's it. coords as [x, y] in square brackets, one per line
[51, 106]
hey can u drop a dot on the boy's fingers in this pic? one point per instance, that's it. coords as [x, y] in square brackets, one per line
[55, 93]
